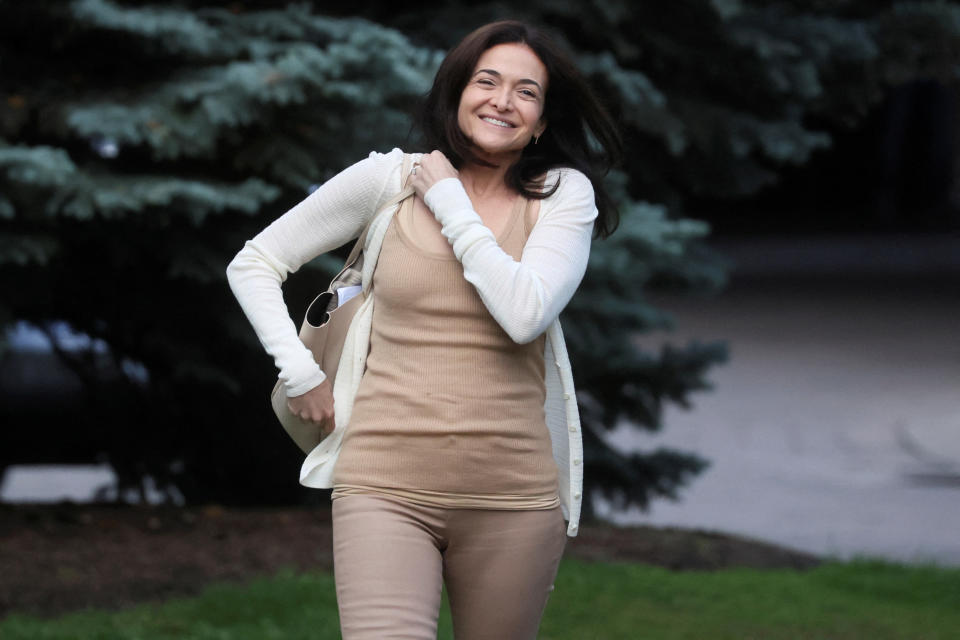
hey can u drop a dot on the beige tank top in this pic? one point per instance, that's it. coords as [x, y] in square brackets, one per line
[450, 410]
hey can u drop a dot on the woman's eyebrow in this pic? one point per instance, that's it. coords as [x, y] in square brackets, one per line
[499, 75]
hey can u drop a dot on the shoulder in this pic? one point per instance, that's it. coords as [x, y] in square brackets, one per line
[392, 157]
[574, 193]
[386, 168]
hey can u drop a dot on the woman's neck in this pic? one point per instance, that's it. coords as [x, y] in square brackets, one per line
[485, 182]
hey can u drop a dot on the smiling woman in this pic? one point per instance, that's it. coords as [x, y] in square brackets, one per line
[511, 55]
[501, 107]
[454, 445]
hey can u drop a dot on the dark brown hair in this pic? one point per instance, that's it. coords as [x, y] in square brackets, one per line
[580, 133]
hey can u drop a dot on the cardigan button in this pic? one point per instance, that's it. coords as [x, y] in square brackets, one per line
[573, 429]
[566, 396]
[576, 462]
[576, 494]
[573, 527]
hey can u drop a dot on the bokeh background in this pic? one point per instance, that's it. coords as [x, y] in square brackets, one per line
[765, 347]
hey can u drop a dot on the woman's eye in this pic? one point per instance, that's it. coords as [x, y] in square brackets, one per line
[485, 81]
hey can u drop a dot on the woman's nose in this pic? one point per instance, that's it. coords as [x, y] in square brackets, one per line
[501, 100]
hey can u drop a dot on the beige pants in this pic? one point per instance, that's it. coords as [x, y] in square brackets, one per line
[390, 557]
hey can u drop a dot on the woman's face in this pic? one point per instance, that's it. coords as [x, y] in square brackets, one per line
[501, 108]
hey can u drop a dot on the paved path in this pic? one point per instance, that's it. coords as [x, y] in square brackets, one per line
[834, 428]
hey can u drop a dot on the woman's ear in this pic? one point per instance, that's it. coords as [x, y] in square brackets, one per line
[541, 127]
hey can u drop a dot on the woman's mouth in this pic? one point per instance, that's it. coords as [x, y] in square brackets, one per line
[499, 123]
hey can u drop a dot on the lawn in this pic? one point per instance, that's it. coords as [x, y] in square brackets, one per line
[837, 601]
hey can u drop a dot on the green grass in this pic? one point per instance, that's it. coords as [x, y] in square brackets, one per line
[837, 601]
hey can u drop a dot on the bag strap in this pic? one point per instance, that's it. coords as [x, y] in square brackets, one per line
[405, 193]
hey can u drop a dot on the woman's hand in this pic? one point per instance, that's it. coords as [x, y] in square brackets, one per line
[431, 169]
[315, 406]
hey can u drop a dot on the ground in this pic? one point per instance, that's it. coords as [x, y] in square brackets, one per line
[66, 557]
[833, 427]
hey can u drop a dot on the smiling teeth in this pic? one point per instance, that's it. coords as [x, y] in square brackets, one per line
[499, 123]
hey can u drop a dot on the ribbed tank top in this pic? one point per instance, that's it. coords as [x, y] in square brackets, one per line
[450, 411]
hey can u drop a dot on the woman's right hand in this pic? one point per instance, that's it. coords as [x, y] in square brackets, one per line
[431, 169]
[315, 406]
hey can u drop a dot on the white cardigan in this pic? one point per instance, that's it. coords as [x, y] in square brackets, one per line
[525, 297]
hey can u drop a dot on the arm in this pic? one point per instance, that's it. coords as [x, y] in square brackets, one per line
[328, 218]
[524, 297]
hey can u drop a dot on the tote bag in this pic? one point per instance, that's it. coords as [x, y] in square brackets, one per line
[325, 326]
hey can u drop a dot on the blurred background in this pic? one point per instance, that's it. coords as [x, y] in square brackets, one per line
[765, 347]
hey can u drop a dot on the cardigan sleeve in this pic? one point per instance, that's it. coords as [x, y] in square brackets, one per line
[523, 297]
[329, 217]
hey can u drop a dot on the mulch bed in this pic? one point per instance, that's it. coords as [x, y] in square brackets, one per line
[66, 557]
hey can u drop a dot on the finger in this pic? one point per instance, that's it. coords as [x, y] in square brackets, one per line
[297, 413]
[327, 426]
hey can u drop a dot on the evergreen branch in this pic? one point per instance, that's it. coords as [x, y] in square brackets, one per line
[7, 210]
[114, 196]
[634, 479]
[40, 166]
[180, 31]
[25, 250]
[643, 106]
[784, 141]
[630, 383]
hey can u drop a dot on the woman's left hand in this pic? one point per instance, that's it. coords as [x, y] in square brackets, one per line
[431, 169]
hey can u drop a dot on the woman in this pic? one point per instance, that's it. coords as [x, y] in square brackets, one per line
[455, 453]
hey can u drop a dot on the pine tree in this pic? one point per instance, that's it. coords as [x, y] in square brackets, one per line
[141, 144]
[715, 99]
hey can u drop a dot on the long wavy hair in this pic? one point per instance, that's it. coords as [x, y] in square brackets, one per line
[580, 133]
